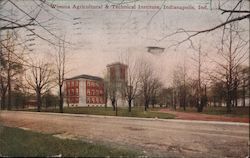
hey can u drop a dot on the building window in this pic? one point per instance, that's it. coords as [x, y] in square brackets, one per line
[88, 83]
[122, 71]
[88, 92]
[92, 92]
[96, 100]
[76, 100]
[77, 91]
[112, 73]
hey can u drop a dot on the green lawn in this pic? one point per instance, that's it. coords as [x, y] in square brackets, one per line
[17, 142]
[136, 112]
[236, 111]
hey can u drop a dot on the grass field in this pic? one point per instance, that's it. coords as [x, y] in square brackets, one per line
[236, 111]
[17, 142]
[136, 112]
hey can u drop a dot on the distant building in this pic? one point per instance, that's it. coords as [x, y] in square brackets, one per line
[117, 72]
[117, 75]
[83, 91]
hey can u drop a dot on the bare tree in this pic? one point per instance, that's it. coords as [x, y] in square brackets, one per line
[29, 18]
[11, 64]
[149, 82]
[166, 97]
[243, 81]
[3, 78]
[234, 52]
[180, 85]
[217, 92]
[3, 87]
[155, 90]
[131, 88]
[39, 79]
[60, 71]
[113, 93]
[145, 81]
[237, 11]
[15, 17]
[199, 105]
[199, 82]
[234, 13]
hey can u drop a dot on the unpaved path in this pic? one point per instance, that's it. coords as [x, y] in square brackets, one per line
[168, 138]
[204, 117]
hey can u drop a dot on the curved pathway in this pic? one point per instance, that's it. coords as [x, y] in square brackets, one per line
[204, 117]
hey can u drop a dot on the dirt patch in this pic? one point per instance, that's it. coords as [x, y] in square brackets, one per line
[203, 117]
[134, 128]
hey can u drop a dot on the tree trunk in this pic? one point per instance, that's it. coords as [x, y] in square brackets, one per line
[116, 109]
[129, 105]
[244, 94]
[172, 99]
[229, 99]
[221, 101]
[236, 96]
[9, 91]
[145, 105]
[38, 100]
[113, 104]
[184, 102]
[3, 101]
[175, 102]
[199, 109]
[236, 102]
[60, 99]
[228, 106]
[105, 105]
[214, 101]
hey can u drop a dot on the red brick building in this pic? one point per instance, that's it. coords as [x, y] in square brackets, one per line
[84, 90]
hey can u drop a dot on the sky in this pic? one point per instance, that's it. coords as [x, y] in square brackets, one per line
[99, 32]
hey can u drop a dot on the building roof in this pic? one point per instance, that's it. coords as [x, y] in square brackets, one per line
[84, 76]
[116, 63]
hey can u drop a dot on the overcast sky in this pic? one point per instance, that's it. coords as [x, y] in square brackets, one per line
[99, 35]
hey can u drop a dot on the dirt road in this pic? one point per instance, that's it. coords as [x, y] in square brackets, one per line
[175, 138]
